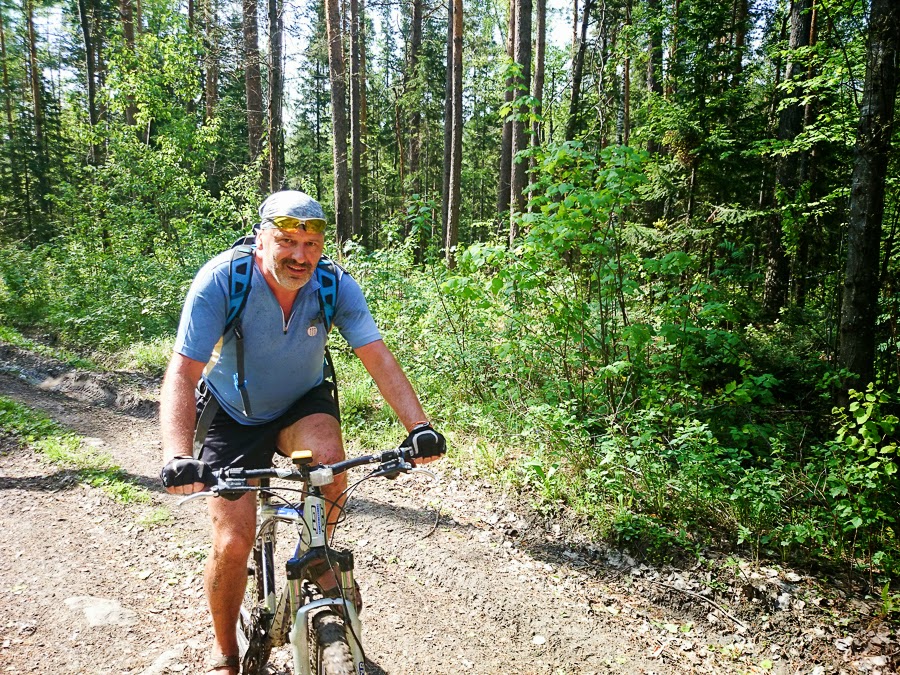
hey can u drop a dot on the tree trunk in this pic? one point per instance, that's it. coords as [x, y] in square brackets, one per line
[506, 142]
[252, 78]
[363, 129]
[807, 248]
[867, 189]
[337, 76]
[522, 56]
[355, 120]
[537, 84]
[412, 88]
[211, 59]
[671, 79]
[655, 88]
[577, 73]
[276, 95]
[9, 171]
[34, 69]
[626, 86]
[7, 94]
[127, 14]
[190, 105]
[448, 125]
[456, 154]
[740, 10]
[574, 25]
[85, 20]
[98, 34]
[655, 56]
[787, 176]
[320, 114]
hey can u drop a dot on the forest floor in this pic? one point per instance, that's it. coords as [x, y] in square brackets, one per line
[457, 576]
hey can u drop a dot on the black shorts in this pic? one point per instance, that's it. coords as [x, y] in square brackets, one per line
[230, 443]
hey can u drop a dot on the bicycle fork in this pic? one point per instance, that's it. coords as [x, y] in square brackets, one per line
[297, 570]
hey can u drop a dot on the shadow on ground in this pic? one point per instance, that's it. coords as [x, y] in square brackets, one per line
[67, 479]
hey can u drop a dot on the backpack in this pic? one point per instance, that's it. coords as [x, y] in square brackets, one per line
[240, 274]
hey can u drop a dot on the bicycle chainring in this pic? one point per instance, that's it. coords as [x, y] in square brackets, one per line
[260, 645]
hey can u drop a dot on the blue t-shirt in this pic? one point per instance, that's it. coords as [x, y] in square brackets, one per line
[283, 356]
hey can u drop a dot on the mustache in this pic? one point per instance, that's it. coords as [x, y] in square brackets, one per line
[302, 265]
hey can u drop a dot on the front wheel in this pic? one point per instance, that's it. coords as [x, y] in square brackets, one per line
[331, 653]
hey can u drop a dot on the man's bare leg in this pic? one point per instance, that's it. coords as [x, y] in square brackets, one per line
[225, 576]
[320, 433]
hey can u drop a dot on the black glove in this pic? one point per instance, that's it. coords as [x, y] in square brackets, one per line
[184, 471]
[425, 441]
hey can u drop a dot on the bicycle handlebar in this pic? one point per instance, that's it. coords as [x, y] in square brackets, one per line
[398, 455]
[232, 480]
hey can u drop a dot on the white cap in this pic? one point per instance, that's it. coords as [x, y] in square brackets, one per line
[290, 203]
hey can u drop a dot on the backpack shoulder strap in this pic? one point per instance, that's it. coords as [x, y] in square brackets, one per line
[327, 276]
[329, 281]
[240, 273]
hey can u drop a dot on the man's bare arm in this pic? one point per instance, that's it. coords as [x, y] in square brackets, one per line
[392, 383]
[177, 410]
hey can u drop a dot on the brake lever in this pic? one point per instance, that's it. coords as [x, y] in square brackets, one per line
[197, 495]
[428, 473]
[393, 472]
[231, 489]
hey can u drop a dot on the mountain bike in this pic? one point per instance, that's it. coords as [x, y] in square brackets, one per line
[324, 632]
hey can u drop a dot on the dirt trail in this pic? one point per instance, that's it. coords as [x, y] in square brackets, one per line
[455, 577]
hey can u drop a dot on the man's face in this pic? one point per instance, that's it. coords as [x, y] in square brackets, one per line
[290, 256]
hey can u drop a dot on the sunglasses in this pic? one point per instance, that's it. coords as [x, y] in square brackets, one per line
[314, 225]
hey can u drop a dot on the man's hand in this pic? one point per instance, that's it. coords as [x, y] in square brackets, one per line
[426, 443]
[186, 475]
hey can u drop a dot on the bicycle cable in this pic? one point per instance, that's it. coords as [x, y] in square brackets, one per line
[345, 494]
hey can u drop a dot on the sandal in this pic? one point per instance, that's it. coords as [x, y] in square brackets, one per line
[223, 662]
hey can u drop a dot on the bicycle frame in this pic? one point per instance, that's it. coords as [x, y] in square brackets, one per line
[311, 546]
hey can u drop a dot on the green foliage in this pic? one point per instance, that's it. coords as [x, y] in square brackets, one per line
[64, 449]
[137, 229]
[150, 356]
[621, 374]
[890, 602]
[861, 484]
[156, 517]
[648, 537]
[614, 357]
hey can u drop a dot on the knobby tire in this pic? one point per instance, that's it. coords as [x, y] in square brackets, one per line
[331, 653]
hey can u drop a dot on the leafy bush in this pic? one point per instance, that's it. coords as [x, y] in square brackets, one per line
[137, 229]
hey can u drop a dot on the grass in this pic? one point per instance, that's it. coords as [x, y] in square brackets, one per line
[367, 421]
[146, 356]
[155, 517]
[65, 449]
[13, 337]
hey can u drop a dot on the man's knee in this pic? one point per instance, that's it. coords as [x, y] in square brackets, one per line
[320, 433]
[329, 454]
[233, 528]
[233, 545]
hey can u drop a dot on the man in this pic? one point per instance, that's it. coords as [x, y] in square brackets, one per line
[286, 402]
